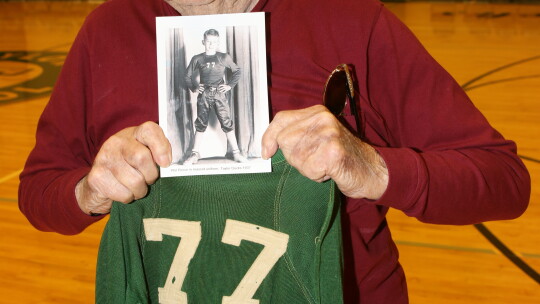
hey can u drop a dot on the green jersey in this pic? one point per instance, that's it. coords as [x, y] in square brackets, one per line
[247, 238]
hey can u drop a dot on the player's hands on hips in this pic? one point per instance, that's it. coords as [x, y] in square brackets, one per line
[321, 148]
[222, 88]
[201, 88]
[124, 167]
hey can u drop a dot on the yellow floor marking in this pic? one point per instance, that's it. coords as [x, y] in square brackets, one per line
[10, 176]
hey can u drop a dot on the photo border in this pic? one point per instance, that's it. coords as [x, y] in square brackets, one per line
[187, 23]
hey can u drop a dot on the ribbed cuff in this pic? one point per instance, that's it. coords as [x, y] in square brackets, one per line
[76, 220]
[406, 177]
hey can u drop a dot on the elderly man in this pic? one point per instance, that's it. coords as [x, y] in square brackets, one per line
[425, 149]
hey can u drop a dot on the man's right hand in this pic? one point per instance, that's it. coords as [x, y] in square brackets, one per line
[124, 167]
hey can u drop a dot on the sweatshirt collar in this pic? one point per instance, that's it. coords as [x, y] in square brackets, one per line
[170, 11]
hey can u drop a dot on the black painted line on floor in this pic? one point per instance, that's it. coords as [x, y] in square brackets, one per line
[529, 158]
[508, 253]
[499, 245]
[466, 85]
[501, 81]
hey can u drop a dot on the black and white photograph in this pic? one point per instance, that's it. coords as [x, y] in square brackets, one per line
[212, 90]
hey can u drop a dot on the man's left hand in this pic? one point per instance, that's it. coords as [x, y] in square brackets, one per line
[222, 88]
[321, 148]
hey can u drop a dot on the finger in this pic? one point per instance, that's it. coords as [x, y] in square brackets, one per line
[269, 140]
[304, 151]
[296, 131]
[106, 187]
[125, 166]
[131, 179]
[139, 157]
[311, 145]
[151, 135]
[318, 163]
[285, 120]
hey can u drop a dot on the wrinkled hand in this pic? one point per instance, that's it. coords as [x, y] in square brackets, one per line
[200, 89]
[321, 148]
[222, 88]
[124, 167]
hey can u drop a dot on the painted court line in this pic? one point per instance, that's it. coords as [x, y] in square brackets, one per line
[8, 199]
[10, 176]
[440, 246]
[460, 248]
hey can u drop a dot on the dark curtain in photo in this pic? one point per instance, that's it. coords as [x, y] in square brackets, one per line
[242, 46]
[179, 116]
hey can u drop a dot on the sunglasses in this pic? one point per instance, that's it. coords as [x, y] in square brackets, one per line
[338, 89]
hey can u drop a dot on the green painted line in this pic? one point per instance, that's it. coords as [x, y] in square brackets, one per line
[531, 255]
[8, 199]
[440, 246]
[459, 248]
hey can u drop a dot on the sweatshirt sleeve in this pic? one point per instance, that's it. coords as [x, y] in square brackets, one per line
[235, 71]
[190, 71]
[446, 164]
[62, 155]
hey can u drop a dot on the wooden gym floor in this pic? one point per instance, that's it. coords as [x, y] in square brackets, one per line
[492, 49]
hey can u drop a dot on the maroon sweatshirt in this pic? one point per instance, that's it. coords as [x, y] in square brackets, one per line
[446, 164]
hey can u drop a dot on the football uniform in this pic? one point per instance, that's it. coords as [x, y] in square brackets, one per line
[247, 238]
[212, 70]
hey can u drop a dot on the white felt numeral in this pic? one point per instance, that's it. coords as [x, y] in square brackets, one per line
[190, 234]
[275, 245]
[274, 242]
